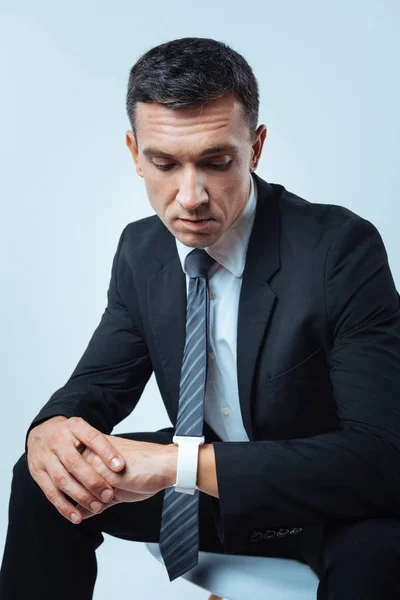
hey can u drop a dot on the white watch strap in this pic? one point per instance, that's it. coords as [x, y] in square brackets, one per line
[188, 455]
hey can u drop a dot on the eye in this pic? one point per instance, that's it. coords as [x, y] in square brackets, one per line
[163, 167]
[218, 167]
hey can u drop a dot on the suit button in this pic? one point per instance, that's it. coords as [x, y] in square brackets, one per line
[295, 530]
[270, 533]
[282, 532]
[256, 536]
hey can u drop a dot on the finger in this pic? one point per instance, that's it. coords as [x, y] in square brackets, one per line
[96, 463]
[64, 481]
[73, 461]
[86, 514]
[58, 499]
[97, 441]
[89, 469]
[86, 453]
[102, 469]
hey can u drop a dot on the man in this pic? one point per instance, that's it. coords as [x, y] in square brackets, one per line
[301, 408]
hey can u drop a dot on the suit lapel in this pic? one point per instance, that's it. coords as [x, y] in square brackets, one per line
[166, 298]
[256, 299]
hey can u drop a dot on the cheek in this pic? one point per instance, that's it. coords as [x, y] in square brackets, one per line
[162, 202]
[161, 207]
[156, 191]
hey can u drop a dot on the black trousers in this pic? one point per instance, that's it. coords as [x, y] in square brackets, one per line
[46, 556]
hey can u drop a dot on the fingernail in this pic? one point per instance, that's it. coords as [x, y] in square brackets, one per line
[74, 517]
[106, 495]
[116, 462]
[96, 506]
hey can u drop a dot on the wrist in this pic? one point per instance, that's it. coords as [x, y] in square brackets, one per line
[206, 471]
[171, 464]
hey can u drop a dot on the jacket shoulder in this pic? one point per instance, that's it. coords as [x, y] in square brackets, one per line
[299, 213]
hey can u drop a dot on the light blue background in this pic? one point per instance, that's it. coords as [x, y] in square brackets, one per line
[329, 87]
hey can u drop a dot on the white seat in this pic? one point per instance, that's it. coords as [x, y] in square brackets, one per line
[237, 577]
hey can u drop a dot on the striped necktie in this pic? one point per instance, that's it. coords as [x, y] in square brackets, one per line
[179, 532]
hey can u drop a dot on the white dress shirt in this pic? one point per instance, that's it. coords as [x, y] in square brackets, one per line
[222, 409]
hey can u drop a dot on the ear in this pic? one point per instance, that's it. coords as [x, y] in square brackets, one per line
[130, 141]
[257, 147]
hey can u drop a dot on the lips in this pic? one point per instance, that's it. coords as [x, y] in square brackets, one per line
[200, 225]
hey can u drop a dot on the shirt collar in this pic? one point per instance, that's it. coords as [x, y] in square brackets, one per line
[230, 249]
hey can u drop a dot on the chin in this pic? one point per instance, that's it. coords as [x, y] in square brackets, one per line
[193, 240]
[196, 240]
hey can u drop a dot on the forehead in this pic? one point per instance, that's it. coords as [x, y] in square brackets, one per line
[219, 123]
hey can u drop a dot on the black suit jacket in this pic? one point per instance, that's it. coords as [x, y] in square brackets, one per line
[318, 364]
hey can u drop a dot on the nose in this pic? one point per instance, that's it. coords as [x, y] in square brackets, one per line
[191, 191]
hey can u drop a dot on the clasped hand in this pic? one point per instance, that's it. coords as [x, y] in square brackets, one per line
[149, 468]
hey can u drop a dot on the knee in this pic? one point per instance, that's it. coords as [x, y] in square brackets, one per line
[362, 558]
[368, 540]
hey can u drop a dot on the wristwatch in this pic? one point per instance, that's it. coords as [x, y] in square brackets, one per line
[188, 455]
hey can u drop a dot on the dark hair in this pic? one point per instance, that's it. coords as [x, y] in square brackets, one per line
[190, 72]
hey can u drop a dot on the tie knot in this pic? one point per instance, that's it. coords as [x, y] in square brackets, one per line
[198, 263]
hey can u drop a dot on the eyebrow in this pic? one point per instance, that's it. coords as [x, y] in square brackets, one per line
[150, 151]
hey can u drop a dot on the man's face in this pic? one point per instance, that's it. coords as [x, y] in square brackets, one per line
[197, 193]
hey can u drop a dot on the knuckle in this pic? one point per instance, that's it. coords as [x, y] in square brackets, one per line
[95, 484]
[55, 437]
[33, 467]
[61, 480]
[92, 434]
[75, 420]
[71, 460]
[51, 495]
[84, 498]
[63, 507]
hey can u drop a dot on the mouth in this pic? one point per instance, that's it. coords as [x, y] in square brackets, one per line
[194, 225]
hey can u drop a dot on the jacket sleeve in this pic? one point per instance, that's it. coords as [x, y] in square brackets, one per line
[353, 472]
[109, 379]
